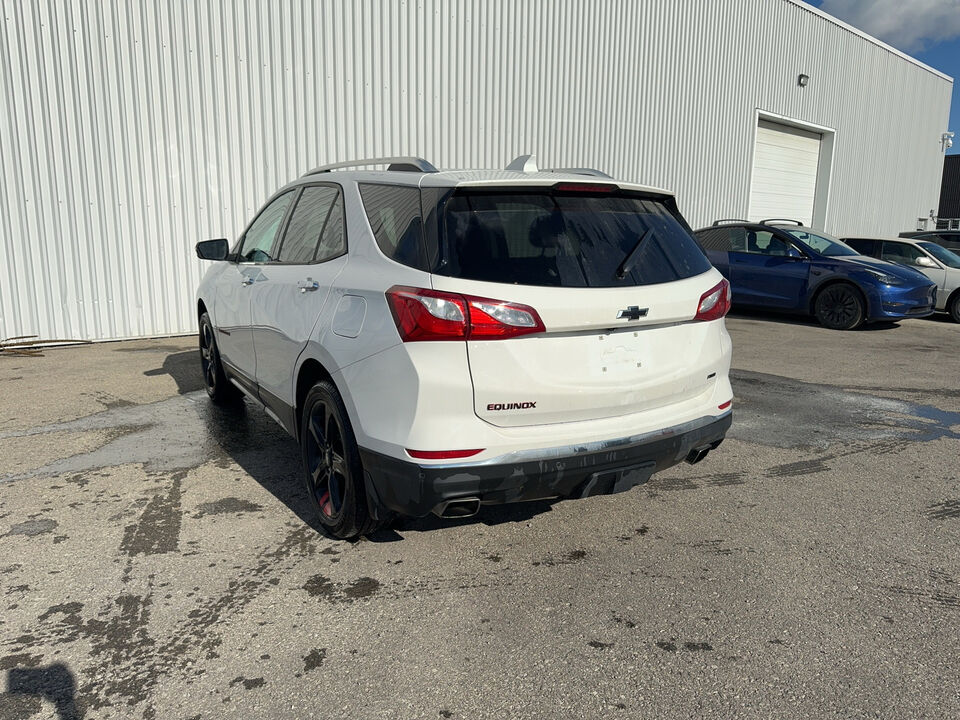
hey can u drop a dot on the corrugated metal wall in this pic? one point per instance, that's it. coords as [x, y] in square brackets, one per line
[131, 129]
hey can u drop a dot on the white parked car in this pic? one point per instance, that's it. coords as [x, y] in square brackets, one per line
[932, 259]
[442, 340]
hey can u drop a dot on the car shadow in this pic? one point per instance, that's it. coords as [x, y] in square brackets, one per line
[489, 515]
[27, 686]
[184, 368]
[941, 317]
[788, 319]
[245, 434]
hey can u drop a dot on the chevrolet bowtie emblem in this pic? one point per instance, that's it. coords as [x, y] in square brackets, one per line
[632, 313]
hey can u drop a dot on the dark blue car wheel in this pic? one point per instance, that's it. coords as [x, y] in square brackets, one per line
[839, 307]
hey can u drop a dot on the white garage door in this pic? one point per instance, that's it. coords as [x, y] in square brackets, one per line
[784, 173]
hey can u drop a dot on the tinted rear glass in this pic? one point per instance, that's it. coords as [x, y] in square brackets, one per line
[394, 215]
[718, 239]
[547, 238]
[862, 246]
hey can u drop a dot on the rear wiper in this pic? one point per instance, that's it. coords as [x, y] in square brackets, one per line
[628, 262]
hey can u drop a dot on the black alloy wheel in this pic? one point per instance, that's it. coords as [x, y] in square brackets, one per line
[331, 464]
[218, 387]
[839, 307]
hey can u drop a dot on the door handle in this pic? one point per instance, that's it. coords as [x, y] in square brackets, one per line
[247, 280]
[308, 284]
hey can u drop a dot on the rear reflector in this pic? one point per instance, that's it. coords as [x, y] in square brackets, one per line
[442, 454]
[725, 405]
[422, 314]
[715, 302]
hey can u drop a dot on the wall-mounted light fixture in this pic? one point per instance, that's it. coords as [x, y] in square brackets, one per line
[803, 80]
[946, 141]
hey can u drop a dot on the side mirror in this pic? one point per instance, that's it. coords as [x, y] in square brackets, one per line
[924, 261]
[792, 252]
[213, 249]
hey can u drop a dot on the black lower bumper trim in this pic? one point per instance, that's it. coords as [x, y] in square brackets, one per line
[410, 489]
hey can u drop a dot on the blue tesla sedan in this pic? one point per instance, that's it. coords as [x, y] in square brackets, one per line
[782, 265]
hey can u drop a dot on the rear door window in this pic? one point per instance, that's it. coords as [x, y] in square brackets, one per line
[568, 239]
[863, 246]
[763, 242]
[738, 239]
[315, 232]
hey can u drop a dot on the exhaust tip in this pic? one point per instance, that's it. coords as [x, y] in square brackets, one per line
[697, 454]
[458, 508]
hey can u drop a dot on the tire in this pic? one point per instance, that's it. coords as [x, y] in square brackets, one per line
[953, 307]
[219, 388]
[332, 469]
[840, 307]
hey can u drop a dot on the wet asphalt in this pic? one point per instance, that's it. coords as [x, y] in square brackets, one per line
[158, 558]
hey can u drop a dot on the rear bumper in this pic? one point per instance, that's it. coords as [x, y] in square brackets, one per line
[409, 488]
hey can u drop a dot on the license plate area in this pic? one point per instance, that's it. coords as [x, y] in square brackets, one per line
[619, 354]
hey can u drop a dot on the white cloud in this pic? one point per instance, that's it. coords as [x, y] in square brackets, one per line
[909, 25]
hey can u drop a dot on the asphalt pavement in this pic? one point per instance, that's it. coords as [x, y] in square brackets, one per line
[158, 557]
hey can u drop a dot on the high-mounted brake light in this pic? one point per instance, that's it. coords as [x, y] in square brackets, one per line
[442, 454]
[715, 302]
[422, 314]
[585, 187]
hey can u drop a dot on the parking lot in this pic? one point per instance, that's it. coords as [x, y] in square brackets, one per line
[157, 557]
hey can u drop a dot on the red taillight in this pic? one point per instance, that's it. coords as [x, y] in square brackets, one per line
[442, 454]
[585, 187]
[715, 302]
[724, 406]
[427, 314]
[422, 314]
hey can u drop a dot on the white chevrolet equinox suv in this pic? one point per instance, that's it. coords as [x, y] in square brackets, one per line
[438, 341]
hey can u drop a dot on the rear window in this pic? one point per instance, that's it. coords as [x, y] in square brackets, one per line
[565, 239]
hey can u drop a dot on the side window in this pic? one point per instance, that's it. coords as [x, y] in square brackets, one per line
[394, 215]
[862, 246]
[901, 253]
[311, 228]
[738, 239]
[333, 242]
[763, 242]
[718, 239]
[258, 241]
[951, 240]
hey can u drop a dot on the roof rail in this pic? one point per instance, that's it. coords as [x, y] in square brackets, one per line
[781, 221]
[397, 164]
[580, 171]
[523, 163]
[728, 220]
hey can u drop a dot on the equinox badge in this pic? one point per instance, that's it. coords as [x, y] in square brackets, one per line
[632, 313]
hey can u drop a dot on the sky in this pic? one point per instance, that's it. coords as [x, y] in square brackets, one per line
[928, 30]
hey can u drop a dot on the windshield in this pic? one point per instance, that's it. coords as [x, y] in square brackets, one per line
[823, 244]
[567, 239]
[947, 257]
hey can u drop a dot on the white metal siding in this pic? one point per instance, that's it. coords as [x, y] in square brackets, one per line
[785, 162]
[130, 130]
